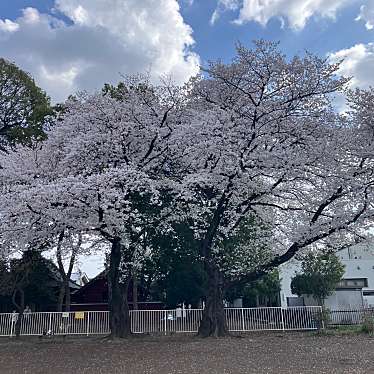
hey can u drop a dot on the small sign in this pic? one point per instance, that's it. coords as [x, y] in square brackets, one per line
[65, 315]
[79, 315]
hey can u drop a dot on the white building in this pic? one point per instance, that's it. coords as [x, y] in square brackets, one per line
[356, 288]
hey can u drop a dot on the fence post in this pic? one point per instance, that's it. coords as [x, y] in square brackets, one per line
[282, 318]
[322, 317]
[11, 325]
[50, 322]
[88, 323]
[165, 322]
[243, 322]
[131, 316]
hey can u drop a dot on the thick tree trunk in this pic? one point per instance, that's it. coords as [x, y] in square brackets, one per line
[17, 327]
[20, 308]
[67, 297]
[135, 291]
[118, 290]
[64, 298]
[61, 296]
[213, 322]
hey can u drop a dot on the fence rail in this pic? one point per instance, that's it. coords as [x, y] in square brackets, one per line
[161, 321]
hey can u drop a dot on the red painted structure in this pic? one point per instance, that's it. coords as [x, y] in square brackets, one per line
[93, 296]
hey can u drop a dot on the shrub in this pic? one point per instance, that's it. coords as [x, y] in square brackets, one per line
[368, 324]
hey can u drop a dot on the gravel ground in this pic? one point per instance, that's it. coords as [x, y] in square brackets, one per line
[257, 353]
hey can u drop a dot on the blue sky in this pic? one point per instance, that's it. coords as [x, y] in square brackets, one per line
[320, 35]
[12, 8]
[71, 45]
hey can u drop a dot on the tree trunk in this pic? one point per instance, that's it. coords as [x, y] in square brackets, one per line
[61, 296]
[118, 290]
[65, 276]
[135, 291]
[17, 327]
[20, 308]
[63, 303]
[213, 322]
[67, 296]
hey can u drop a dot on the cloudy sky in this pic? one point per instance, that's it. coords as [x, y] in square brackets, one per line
[71, 45]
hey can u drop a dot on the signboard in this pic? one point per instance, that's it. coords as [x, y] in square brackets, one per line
[79, 315]
[65, 315]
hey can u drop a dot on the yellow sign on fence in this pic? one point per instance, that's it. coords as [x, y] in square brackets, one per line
[79, 315]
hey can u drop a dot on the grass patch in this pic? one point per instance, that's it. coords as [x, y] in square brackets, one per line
[340, 330]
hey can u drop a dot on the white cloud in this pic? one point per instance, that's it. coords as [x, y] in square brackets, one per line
[8, 26]
[102, 40]
[222, 6]
[358, 62]
[31, 16]
[367, 15]
[295, 12]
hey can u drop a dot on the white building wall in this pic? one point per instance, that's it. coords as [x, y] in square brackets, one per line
[342, 299]
[286, 272]
[359, 263]
[345, 299]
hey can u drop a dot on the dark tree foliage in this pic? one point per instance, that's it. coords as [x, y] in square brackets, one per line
[181, 279]
[263, 292]
[29, 280]
[320, 275]
[5, 299]
[173, 272]
[24, 107]
[121, 91]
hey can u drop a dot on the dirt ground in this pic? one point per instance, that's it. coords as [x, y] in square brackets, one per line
[253, 353]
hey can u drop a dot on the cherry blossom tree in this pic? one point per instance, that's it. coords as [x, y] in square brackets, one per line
[261, 139]
[95, 173]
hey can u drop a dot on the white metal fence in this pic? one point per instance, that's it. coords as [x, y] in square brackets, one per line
[257, 319]
[56, 323]
[349, 316]
[162, 321]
